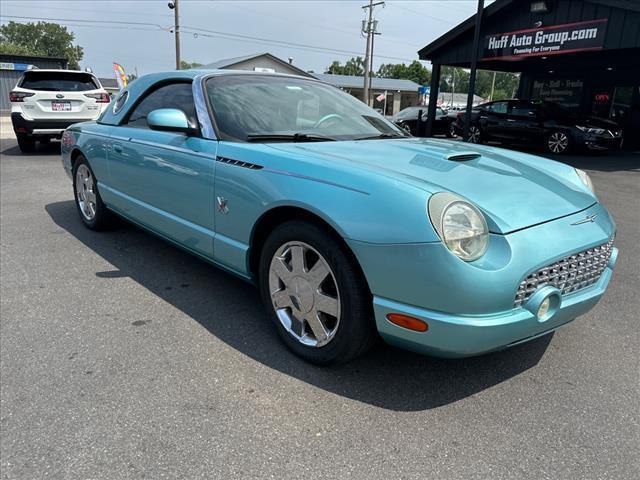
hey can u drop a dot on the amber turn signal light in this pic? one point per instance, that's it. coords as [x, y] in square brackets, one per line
[408, 322]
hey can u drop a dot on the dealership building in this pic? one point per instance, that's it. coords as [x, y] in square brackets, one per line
[584, 54]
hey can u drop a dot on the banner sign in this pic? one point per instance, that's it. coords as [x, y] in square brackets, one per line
[565, 92]
[552, 40]
[14, 66]
[121, 76]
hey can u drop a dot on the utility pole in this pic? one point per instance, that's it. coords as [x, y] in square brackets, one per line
[493, 84]
[369, 27]
[453, 85]
[173, 5]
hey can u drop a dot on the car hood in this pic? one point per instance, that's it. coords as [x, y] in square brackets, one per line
[514, 190]
[596, 122]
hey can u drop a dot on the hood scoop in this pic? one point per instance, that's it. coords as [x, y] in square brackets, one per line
[461, 156]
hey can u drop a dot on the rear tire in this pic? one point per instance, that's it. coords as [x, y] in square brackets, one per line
[26, 143]
[295, 298]
[93, 212]
[451, 131]
[558, 142]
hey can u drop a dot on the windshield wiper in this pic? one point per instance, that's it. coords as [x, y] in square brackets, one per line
[295, 137]
[383, 135]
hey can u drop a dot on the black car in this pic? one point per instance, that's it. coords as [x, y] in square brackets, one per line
[408, 120]
[545, 124]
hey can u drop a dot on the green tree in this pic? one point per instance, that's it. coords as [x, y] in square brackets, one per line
[415, 71]
[453, 79]
[505, 87]
[8, 48]
[41, 39]
[189, 65]
[353, 66]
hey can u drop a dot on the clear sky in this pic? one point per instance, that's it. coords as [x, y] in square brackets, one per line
[147, 44]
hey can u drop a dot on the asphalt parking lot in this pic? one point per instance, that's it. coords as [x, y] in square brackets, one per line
[123, 357]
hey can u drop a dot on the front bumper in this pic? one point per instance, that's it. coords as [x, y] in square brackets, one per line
[45, 127]
[470, 307]
[605, 141]
[462, 336]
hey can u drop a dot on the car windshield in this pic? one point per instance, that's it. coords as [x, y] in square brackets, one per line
[273, 108]
[58, 81]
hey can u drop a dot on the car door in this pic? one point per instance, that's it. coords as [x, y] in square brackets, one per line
[441, 122]
[525, 122]
[165, 180]
[493, 120]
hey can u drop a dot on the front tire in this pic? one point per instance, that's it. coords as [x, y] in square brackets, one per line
[93, 213]
[315, 293]
[26, 143]
[475, 134]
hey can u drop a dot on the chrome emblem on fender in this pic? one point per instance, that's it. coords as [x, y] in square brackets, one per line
[588, 219]
[222, 205]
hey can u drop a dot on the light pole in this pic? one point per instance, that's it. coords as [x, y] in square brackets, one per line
[173, 5]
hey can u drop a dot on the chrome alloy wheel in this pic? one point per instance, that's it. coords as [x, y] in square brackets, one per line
[304, 294]
[474, 134]
[558, 142]
[85, 192]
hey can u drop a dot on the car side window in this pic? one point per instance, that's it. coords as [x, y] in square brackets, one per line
[173, 95]
[523, 110]
[498, 107]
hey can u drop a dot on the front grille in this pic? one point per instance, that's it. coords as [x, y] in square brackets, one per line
[569, 274]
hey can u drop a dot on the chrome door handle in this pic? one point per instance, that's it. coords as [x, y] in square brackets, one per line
[510, 120]
[117, 148]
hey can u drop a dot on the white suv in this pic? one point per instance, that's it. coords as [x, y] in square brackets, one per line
[45, 102]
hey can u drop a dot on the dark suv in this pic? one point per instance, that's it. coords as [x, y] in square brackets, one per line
[546, 124]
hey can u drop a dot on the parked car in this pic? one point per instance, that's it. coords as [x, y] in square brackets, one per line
[407, 119]
[45, 102]
[349, 227]
[544, 124]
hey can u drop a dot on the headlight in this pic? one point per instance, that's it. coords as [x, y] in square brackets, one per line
[584, 177]
[597, 131]
[461, 226]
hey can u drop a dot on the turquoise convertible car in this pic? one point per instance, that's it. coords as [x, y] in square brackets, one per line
[352, 229]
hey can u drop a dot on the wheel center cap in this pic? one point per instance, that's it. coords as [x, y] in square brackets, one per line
[301, 294]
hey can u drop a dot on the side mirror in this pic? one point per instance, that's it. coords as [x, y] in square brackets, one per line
[170, 120]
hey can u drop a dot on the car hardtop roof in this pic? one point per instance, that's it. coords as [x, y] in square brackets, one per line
[145, 82]
[192, 73]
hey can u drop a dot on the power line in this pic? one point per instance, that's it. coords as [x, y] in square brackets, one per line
[118, 22]
[315, 25]
[284, 43]
[214, 33]
[74, 9]
[111, 27]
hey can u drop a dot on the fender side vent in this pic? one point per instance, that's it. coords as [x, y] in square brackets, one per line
[461, 156]
[238, 163]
